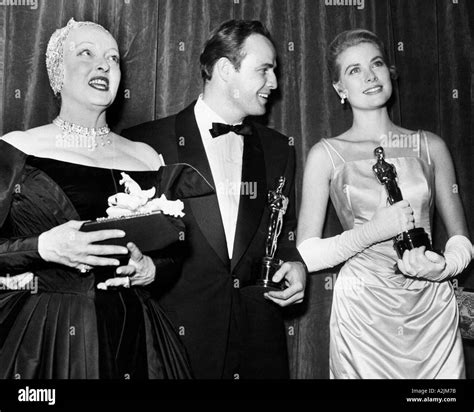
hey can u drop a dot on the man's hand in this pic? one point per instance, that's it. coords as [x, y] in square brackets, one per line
[140, 271]
[294, 275]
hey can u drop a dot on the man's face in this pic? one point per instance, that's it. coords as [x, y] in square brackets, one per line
[251, 85]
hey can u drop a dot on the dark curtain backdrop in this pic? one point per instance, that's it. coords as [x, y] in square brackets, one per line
[430, 41]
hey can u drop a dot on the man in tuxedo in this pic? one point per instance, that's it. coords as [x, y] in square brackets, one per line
[229, 333]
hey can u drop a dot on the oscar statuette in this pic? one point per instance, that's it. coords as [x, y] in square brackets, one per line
[267, 266]
[387, 176]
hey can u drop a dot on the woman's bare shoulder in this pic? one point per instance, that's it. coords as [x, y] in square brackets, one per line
[341, 140]
[437, 148]
[433, 138]
[30, 140]
[320, 156]
[14, 137]
[141, 151]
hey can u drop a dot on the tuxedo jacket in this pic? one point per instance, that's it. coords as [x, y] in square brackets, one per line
[205, 297]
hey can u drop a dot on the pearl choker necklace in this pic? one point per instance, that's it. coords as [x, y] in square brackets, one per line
[77, 136]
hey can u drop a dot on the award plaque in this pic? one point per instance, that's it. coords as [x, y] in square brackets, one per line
[387, 176]
[264, 268]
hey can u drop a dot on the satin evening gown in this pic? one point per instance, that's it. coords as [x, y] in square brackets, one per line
[384, 324]
[69, 328]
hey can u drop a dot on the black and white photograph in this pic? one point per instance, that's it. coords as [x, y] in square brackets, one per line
[255, 200]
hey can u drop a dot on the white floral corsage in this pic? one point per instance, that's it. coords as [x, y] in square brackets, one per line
[135, 201]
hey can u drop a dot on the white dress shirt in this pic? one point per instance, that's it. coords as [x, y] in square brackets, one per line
[224, 154]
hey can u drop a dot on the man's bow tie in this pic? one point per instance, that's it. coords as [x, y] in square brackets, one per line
[221, 128]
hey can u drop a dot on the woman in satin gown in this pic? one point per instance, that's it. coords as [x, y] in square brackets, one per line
[390, 318]
[60, 324]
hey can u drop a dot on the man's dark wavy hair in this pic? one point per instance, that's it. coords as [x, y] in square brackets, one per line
[227, 41]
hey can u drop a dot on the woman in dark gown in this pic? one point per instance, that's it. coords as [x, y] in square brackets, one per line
[65, 327]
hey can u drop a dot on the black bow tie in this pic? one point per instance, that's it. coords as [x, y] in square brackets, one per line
[221, 128]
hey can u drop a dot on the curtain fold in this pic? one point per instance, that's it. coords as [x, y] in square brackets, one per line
[3, 38]
[430, 42]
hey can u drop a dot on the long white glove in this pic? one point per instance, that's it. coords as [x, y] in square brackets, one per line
[387, 222]
[457, 254]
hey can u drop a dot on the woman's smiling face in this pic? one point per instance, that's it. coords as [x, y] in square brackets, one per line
[364, 77]
[91, 67]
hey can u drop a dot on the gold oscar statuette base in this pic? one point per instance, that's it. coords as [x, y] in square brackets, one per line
[264, 270]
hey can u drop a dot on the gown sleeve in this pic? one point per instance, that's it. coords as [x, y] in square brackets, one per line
[19, 254]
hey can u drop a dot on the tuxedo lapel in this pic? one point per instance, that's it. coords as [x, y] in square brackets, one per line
[206, 208]
[253, 196]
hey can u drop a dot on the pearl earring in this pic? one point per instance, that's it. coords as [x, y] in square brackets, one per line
[343, 97]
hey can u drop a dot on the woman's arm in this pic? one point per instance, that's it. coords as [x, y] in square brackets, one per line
[458, 250]
[315, 195]
[63, 244]
[448, 200]
[320, 253]
[17, 254]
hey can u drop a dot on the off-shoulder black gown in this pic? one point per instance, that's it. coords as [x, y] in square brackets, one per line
[69, 328]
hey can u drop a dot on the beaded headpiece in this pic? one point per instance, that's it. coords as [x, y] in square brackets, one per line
[55, 52]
